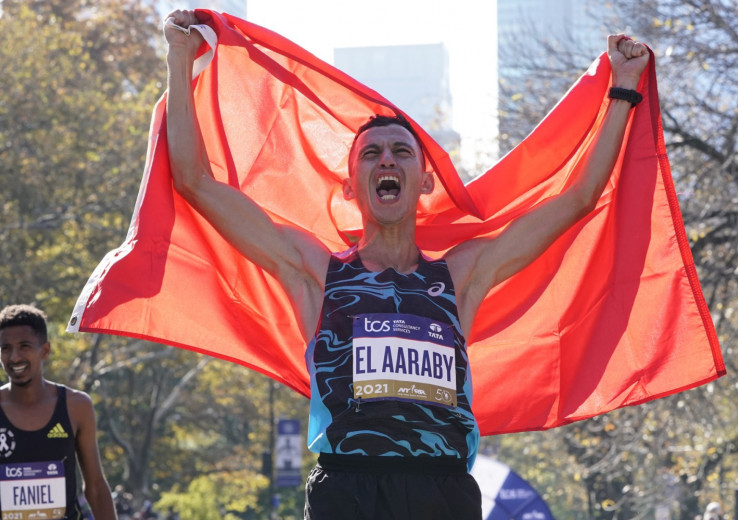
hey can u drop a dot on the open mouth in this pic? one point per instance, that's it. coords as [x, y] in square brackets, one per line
[388, 187]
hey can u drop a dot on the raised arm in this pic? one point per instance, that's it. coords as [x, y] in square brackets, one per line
[297, 259]
[479, 265]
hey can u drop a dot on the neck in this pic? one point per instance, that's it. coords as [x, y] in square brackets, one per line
[378, 255]
[32, 393]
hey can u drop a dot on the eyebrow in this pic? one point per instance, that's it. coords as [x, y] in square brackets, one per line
[393, 144]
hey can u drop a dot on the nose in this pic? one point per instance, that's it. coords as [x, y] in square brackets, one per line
[387, 159]
[13, 354]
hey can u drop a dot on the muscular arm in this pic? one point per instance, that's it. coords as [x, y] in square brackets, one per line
[479, 265]
[95, 486]
[296, 259]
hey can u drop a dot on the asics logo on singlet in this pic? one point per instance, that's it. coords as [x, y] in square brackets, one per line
[57, 432]
[436, 289]
[376, 326]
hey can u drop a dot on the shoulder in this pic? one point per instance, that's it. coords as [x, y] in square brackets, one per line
[74, 395]
[79, 405]
[314, 254]
[463, 259]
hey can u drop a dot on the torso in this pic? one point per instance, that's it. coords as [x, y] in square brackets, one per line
[38, 460]
[412, 352]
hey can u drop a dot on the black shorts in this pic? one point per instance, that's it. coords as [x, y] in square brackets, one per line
[391, 488]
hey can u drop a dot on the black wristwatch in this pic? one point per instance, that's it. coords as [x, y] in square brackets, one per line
[632, 96]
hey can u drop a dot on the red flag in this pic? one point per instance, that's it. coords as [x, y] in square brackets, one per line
[610, 315]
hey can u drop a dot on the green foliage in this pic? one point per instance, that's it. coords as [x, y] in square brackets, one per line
[74, 110]
[214, 496]
[81, 80]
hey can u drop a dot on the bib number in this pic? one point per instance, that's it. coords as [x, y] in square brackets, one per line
[33, 490]
[404, 357]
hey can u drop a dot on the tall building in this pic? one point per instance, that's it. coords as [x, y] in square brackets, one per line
[533, 35]
[524, 24]
[413, 77]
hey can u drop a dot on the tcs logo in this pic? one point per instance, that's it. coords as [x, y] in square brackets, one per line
[376, 326]
[13, 472]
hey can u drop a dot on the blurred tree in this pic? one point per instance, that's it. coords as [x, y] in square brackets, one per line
[672, 456]
[79, 83]
[696, 44]
[75, 104]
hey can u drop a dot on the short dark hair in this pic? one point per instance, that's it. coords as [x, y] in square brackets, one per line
[381, 120]
[22, 314]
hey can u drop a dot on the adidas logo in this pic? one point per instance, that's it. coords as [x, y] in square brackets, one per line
[57, 432]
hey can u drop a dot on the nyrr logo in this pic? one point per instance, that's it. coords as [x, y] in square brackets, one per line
[376, 326]
[7, 442]
[57, 432]
[412, 390]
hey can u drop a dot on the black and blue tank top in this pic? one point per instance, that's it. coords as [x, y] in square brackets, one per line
[388, 365]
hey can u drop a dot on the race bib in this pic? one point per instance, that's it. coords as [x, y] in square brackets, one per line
[33, 490]
[403, 356]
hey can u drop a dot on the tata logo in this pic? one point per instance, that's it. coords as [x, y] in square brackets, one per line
[435, 331]
[13, 472]
[376, 326]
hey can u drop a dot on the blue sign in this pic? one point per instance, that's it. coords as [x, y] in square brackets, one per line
[506, 495]
[289, 453]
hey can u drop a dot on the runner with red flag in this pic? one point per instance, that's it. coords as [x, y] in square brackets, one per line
[564, 268]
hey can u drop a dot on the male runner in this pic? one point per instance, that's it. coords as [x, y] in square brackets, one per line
[390, 409]
[44, 429]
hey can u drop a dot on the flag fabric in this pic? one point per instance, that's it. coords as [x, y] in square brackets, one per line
[612, 314]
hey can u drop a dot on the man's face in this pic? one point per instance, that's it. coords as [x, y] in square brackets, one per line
[386, 174]
[22, 354]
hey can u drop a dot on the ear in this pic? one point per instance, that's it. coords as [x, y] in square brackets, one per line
[45, 350]
[348, 189]
[428, 183]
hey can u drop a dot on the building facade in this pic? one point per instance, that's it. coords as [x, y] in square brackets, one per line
[413, 77]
